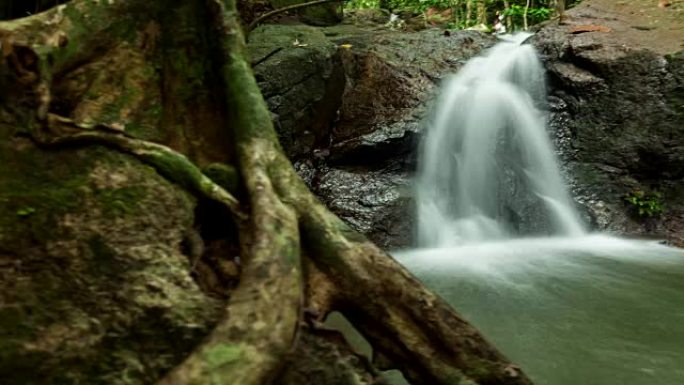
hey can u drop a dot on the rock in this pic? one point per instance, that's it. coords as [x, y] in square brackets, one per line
[300, 75]
[95, 286]
[376, 203]
[390, 79]
[618, 113]
[325, 355]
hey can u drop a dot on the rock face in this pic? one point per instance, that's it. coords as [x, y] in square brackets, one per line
[349, 105]
[300, 75]
[618, 113]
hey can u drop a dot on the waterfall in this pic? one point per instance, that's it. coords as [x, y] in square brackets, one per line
[501, 241]
[488, 169]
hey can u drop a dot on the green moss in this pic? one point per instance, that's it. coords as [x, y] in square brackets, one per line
[37, 189]
[224, 175]
[122, 201]
[155, 111]
[111, 113]
[186, 66]
[85, 17]
[219, 355]
[176, 168]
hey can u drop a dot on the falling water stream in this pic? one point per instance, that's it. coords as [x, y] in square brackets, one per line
[501, 240]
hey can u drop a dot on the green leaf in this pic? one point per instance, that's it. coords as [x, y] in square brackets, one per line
[25, 211]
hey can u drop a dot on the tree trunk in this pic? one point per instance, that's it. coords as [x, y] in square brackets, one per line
[481, 13]
[469, 13]
[136, 151]
[560, 7]
[509, 20]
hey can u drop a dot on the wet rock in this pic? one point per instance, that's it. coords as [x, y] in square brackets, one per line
[300, 75]
[390, 79]
[377, 203]
[617, 111]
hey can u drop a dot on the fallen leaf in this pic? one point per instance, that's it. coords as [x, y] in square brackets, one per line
[345, 46]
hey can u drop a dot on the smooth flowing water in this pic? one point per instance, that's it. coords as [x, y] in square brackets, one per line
[487, 165]
[500, 239]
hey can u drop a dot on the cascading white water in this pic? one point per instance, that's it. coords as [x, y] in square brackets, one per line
[569, 307]
[488, 134]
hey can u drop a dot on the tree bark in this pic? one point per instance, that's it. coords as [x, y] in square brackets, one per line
[70, 76]
[509, 21]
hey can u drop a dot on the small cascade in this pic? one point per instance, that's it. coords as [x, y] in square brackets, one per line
[488, 170]
[501, 241]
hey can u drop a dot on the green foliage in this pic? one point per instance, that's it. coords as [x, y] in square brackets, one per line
[419, 6]
[468, 13]
[645, 204]
[534, 15]
[362, 4]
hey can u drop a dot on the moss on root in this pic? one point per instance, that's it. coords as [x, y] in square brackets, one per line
[224, 175]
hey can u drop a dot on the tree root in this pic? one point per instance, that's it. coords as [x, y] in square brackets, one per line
[250, 345]
[405, 323]
[420, 333]
[283, 227]
[168, 162]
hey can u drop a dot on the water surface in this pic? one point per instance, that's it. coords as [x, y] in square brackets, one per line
[570, 311]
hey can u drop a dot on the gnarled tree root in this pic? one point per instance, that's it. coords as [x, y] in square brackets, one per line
[296, 254]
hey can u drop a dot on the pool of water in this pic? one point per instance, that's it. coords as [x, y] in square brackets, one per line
[591, 310]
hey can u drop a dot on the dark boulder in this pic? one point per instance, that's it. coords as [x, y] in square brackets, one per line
[300, 75]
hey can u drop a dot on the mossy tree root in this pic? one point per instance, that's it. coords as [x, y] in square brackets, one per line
[282, 227]
[168, 162]
[251, 344]
[420, 333]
